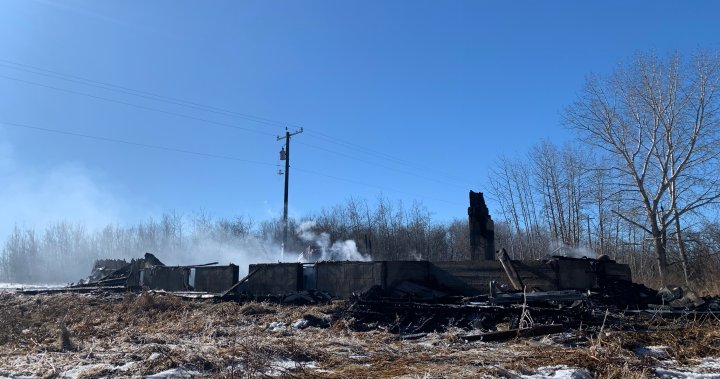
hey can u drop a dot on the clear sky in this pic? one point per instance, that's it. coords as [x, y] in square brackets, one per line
[412, 100]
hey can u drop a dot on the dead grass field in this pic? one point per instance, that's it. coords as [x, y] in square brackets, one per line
[137, 335]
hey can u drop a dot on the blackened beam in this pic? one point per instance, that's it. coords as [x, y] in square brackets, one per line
[510, 270]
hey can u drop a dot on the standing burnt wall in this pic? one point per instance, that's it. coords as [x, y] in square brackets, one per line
[482, 229]
[215, 279]
[273, 279]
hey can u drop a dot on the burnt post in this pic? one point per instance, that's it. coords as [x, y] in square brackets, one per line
[482, 229]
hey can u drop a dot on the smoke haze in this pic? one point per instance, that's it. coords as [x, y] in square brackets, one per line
[55, 222]
[64, 192]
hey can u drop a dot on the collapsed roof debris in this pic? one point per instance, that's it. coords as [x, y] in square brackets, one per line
[149, 273]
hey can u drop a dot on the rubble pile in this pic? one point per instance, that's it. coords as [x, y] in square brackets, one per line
[508, 315]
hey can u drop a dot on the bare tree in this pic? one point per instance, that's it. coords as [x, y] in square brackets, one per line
[657, 119]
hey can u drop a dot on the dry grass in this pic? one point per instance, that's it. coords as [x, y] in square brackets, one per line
[141, 334]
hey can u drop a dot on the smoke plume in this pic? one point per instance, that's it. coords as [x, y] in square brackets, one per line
[337, 251]
[562, 249]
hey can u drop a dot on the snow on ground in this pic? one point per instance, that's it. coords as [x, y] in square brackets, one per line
[177, 372]
[653, 351]
[15, 286]
[559, 372]
[707, 368]
[283, 366]
[83, 370]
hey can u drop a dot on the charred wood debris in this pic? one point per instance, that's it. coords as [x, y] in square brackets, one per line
[412, 310]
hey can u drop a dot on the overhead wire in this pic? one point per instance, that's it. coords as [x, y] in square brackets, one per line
[373, 185]
[376, 164]
[132, 143]
[222, 124]
[206, 155]
[383, 155]
[140, 93]
[197, 106]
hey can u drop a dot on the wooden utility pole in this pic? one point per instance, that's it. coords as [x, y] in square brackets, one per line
[285, 155]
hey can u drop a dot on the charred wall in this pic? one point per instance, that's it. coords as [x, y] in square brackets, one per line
[342, 278]
[482, 229]
[214, 279]
[274, 279]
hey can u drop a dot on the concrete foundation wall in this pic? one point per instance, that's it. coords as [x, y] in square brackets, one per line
[341, 279]
[537, 275]
[184, 278]
[468, 278]
[273, 279]
[215, 279]
[401, 271]
[165, 278]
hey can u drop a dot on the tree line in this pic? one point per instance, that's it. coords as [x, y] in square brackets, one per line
[382, 230]
[640, 183]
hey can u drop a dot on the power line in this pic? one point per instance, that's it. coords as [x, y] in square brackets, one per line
[380, 165]
[374, 186]
[223, 124]
[379, 154]
[133, 143]
[202, 107]
[140, 93]
[207, 155]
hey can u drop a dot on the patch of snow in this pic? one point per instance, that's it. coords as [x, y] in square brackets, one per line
[559, 372]
[126, 367]
[652, 351]
[710, 363]
[83, 370]
[276, 326]
[281, 367]
[154, 356]
[300, 324]
[177, 372]
[16, 286]
[708, 368]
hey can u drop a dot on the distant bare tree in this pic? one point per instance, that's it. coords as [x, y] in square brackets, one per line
[657, 120]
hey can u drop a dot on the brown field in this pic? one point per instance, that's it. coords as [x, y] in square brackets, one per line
[136, 335]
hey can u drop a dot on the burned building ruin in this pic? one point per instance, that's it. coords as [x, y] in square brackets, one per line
[342, 279]
[487, 271]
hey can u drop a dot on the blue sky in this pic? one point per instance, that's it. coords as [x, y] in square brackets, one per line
[411, 100]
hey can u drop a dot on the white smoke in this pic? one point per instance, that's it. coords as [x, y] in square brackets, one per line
[242, 252]
[337, 251]
[88, 209]
[562, 249]
[32, 197]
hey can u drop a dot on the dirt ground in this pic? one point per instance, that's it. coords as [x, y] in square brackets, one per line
[156, 335]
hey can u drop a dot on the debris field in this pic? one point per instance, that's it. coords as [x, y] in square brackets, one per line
[157, 334]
